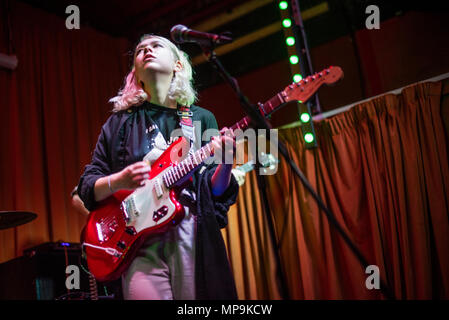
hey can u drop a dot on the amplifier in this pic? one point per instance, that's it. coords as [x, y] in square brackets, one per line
[40, 274]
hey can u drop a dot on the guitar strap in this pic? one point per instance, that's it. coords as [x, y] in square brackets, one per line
[185, 121]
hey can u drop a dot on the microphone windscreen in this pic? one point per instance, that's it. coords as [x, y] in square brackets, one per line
[176, 33]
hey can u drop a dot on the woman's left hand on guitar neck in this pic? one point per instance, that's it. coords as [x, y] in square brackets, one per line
[224, 147]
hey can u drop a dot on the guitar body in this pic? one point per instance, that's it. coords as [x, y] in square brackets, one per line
[115, 231]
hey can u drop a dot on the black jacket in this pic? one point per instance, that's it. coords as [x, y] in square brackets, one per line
[123, 140]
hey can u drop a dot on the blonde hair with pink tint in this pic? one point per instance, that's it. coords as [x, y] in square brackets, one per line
[181, 88]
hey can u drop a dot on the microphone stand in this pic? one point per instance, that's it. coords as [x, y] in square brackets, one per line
[259, 122]
[261, 184]
[212, 57]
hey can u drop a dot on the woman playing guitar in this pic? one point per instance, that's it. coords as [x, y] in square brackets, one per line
[187, 261]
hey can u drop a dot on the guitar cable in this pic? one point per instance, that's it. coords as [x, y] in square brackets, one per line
[93, 295]
[108, 250]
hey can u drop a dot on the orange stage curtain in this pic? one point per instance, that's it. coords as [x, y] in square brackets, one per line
[53, 106]
[382, 168]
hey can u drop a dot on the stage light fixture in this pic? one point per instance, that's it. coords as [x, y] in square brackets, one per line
[287, 23]
[290, 41]
[293, 46]
[294, 59]
[283, 5]
[297, 77]
[305, 117]
[308, 137]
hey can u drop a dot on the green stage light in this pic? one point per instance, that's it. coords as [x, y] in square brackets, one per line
[305, 117]
[294, 59]
[290, 41]
[308, 137]
[287, 23]
[283, 5]
[297, 77]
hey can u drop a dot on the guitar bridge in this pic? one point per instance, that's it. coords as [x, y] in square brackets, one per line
[106, 228]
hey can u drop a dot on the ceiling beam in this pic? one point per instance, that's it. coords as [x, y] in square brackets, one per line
[235, 13]
[261, 33]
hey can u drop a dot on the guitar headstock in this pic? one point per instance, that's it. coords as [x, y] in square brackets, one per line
[304, 89]
[267, 160]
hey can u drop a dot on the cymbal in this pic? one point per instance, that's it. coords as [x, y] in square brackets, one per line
[10, 219]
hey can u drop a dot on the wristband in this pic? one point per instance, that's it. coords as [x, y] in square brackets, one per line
[109, 184]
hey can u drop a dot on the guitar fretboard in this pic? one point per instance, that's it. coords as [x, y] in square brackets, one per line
[188, 165]
[197, 158]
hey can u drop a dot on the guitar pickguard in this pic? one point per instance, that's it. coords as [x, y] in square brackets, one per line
[152, 198]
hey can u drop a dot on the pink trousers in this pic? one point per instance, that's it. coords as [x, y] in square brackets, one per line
[164, 268]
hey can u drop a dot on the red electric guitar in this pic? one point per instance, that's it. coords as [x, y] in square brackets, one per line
[122, 222]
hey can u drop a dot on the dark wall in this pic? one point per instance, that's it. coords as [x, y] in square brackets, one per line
[406, 49]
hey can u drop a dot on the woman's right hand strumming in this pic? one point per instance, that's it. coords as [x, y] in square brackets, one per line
[130, 178]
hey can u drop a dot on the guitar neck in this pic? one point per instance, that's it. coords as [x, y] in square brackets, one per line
[266, 109]
[197, 158]
[300, 91]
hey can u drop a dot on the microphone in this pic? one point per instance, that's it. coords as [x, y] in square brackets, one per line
[181, 34]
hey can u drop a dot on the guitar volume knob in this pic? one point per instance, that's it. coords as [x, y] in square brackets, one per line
[131, 231]
[121, 245]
